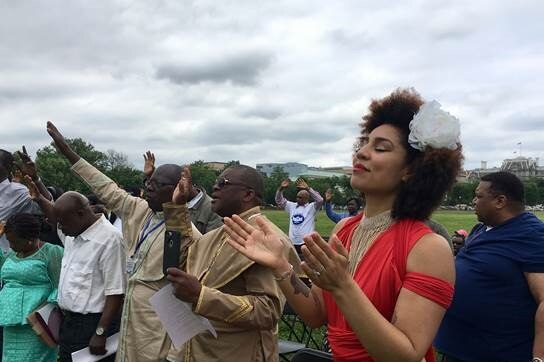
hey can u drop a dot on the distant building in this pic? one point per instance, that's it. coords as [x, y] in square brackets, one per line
[522, 167]
[296, 170]
[217, 166]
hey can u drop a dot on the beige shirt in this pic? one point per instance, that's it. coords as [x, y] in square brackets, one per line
[241, 299]
[143, 338]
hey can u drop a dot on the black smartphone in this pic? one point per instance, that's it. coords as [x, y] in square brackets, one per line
[172, 245]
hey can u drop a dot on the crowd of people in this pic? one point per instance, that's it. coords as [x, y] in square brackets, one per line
[389, 284]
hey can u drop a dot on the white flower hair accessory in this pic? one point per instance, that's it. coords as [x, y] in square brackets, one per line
[434, 127]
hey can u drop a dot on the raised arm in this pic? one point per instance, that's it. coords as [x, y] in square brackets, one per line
[45, 205]
[114, 197]
[178, 219]
[265, 247]
[61, 144]
[28, 167]
[280, 200]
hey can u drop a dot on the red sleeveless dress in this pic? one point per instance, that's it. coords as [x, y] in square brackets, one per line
[381, 274]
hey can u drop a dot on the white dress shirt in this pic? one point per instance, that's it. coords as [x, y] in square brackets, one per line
[93, 266]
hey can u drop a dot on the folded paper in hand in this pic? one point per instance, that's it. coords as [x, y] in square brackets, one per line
[45, 321]
[178, 318]
[84, 355]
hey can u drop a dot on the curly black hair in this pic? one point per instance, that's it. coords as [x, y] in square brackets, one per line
[24, 225]
[432, 172]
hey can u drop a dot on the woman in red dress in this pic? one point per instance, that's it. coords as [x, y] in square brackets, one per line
[384, 280]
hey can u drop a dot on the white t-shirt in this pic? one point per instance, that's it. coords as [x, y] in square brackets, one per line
[301, 220]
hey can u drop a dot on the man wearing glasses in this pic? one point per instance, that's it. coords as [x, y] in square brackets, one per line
[199, 203]
[142, 337]
[239, 297]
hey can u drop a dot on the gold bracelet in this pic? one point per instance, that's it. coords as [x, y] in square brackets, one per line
[285, 275]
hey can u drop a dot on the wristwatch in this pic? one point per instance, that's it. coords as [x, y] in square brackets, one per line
[99, 331]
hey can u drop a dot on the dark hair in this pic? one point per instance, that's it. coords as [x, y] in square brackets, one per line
[6, 159]
[507, 184]
[431, 172]
[356, 199]
[26, 226]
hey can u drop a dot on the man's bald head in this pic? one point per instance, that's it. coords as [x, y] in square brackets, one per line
[160, 186]
[71, 201]
[303, 197]
[252, 178]
[73, 212]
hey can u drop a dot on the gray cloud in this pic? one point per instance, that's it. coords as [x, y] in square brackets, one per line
[273, 82]
[243, 69]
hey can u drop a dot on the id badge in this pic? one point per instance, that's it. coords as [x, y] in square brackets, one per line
[131, 265]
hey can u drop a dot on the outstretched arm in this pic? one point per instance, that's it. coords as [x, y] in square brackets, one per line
[317, 198]
[335, 217]
[115, 198]
[45, 204]
[29, 168]
[280, 200]
[265, 247]
[61, 144]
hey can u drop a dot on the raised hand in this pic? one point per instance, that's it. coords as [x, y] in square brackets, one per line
[61, 144]
[301, 184]
[285, 184]
[328, 195]
[32, 188]
[28, 167]
[57, 137]
[262, 245]
[182, 192]
[149, 163]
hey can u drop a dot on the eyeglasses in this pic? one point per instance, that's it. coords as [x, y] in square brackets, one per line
[222, 182]
[155, 185]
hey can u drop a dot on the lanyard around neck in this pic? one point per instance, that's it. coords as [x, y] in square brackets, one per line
[145, 233]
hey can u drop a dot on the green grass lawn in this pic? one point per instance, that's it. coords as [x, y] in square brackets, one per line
[452, 220]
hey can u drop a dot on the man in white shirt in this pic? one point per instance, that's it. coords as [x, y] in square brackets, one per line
[301, 213]
[92, 280]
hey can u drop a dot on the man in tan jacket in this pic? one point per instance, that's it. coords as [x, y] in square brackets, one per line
[142, 337]
[240, 297]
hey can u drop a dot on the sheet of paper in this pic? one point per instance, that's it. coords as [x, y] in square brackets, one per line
[177, 317]
[84, 355]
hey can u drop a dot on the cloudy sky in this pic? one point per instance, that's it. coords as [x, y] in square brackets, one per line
[266, 81]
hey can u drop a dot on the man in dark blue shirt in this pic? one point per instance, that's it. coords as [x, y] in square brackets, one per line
[497, 314]
[353, 205]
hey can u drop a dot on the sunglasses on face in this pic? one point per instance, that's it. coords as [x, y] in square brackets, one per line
[222, 182]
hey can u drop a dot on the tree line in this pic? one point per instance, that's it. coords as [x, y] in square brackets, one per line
[55, 171]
